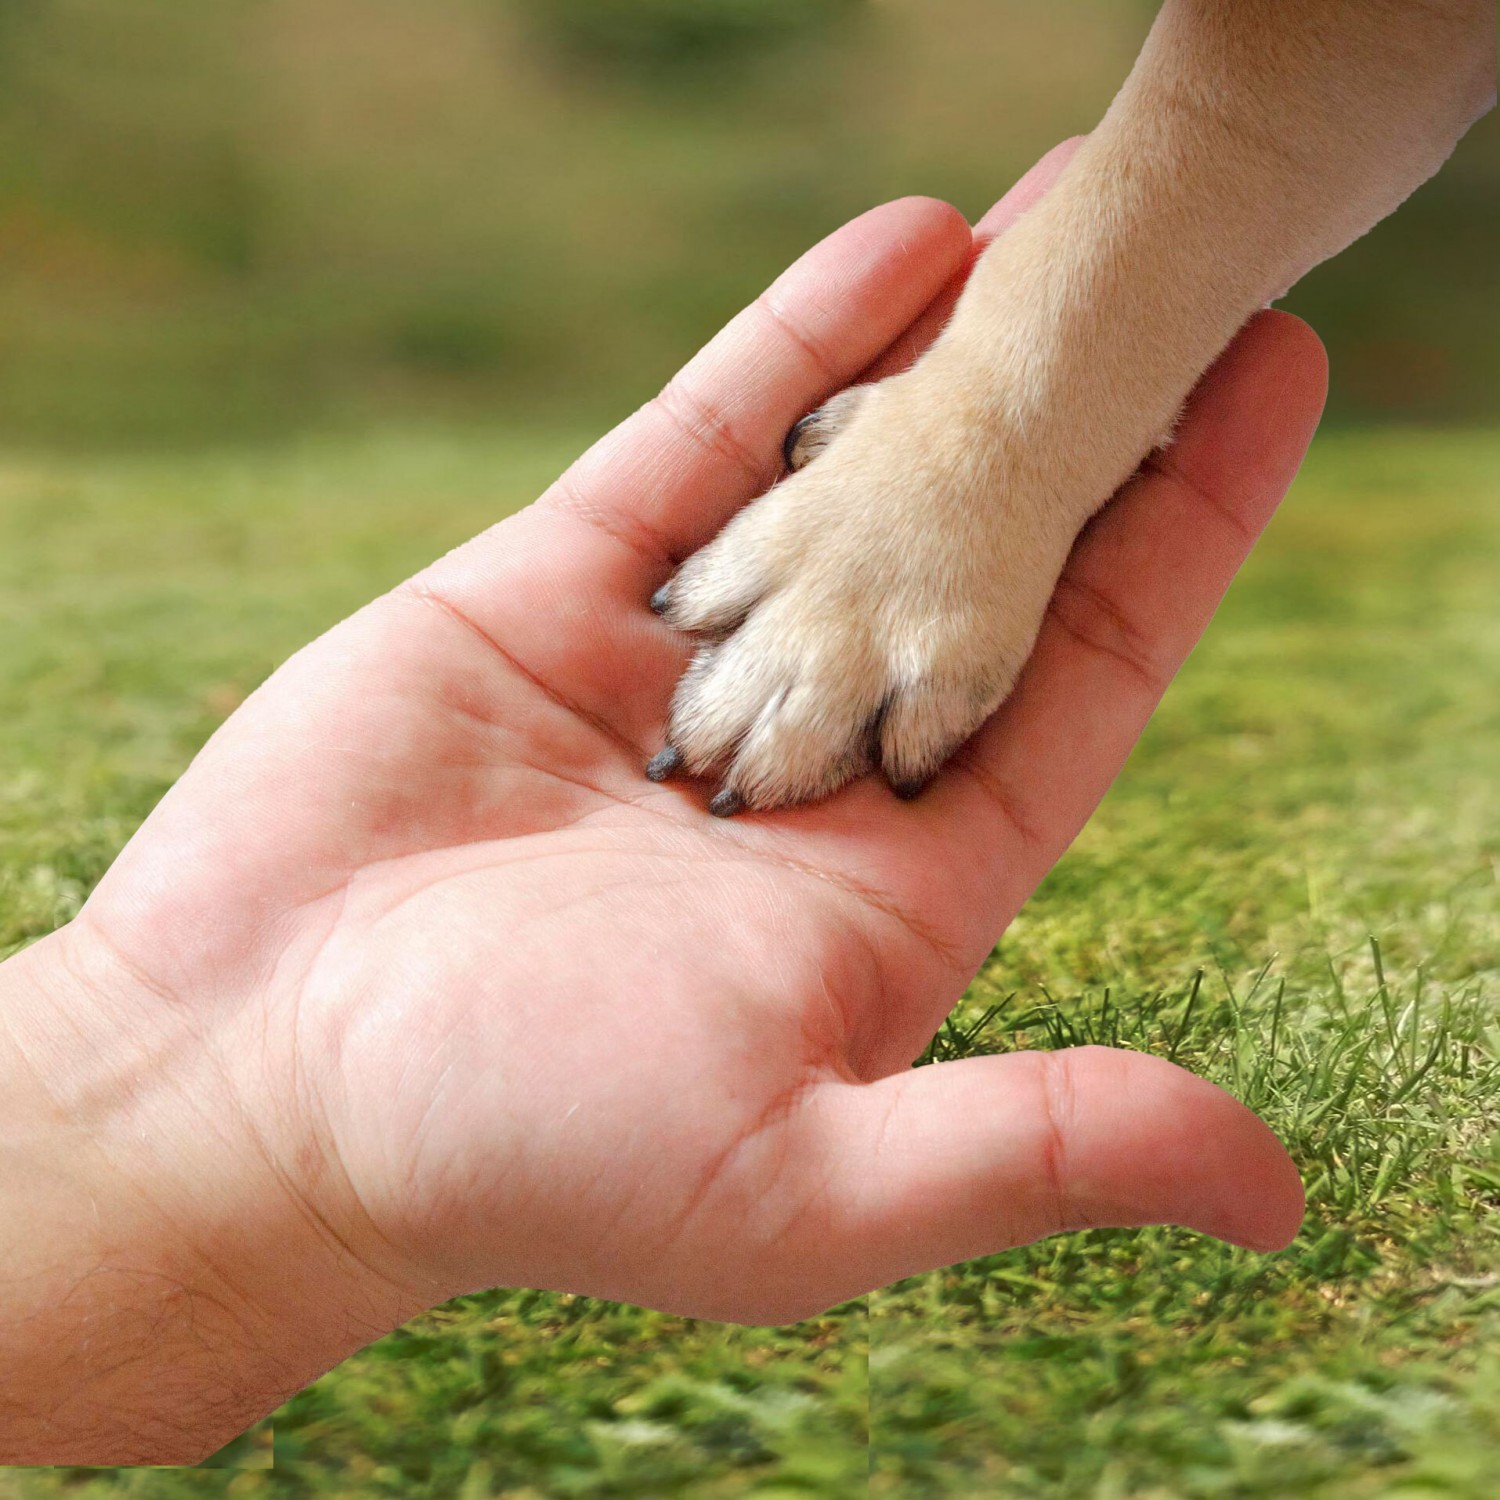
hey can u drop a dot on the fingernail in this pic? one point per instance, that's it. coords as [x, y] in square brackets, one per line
[726, 804]
[663, 763]
[661, 598]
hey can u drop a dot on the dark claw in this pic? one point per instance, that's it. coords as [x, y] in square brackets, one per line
[798, 428]
[661, 599]
[906, 790]
[663, 763]
[726, 804]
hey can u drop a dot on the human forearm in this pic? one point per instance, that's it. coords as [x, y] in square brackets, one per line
[162, 1283]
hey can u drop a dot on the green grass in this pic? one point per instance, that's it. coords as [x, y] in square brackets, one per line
[1292, 889]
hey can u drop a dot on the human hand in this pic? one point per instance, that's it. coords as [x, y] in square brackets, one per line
[413, 984]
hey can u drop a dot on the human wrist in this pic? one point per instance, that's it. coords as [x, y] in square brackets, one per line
[168, 1277]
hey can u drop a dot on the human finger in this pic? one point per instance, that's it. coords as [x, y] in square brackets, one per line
[935, 1165]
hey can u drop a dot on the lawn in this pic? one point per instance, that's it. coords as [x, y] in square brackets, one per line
[1292, 889]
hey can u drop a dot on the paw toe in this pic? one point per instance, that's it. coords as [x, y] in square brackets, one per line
[809, 437]
[805, 746]
[924, 723]
[782, 725]
[718, 586]
[724, 692]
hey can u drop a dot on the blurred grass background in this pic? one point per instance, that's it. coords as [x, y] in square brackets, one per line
[295, 294]
[237, 220]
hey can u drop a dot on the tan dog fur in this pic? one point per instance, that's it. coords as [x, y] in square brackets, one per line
[878, 604]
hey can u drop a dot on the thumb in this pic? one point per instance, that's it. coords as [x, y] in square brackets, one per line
[941, 1164]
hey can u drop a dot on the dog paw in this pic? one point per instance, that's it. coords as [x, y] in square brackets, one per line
[870, 610]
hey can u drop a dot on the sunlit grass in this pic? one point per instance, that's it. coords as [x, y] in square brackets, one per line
[1292, 889]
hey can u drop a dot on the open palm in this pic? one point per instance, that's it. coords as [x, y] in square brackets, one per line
[495, 1009]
